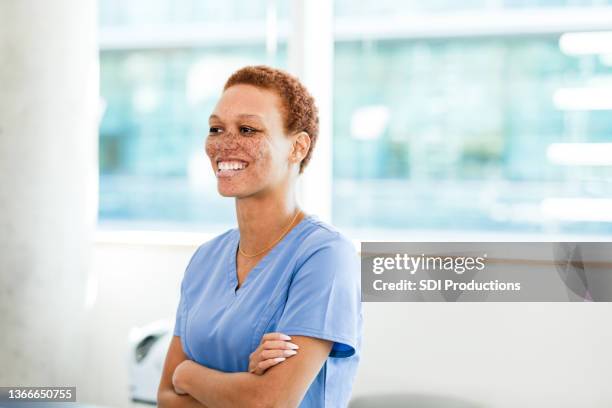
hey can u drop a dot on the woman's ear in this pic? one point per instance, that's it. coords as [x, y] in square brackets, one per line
[300, 147]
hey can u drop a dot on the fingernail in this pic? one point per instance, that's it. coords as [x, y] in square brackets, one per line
[285, 337]
[279, 359]
[293, 346]
[290, 352]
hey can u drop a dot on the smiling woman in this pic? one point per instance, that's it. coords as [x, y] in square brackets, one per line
[270, 311]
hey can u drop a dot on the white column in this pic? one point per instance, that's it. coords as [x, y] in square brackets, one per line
[311, 53]
[48, 188]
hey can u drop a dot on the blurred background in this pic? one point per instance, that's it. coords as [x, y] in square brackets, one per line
[482, 115]
[479, 120]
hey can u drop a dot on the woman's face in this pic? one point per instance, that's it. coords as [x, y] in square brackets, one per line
[247, 145]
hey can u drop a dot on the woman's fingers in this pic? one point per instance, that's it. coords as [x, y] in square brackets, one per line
[261, 366]
[274, 336]
[274, 348]
[267, 354]
[265, 364]
[279, 344]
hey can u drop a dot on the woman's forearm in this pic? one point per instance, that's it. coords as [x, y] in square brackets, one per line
[219, 389]
[170, 399]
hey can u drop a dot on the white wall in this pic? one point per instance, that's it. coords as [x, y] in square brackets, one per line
[136, 284]
[503, 355]
[48, 186]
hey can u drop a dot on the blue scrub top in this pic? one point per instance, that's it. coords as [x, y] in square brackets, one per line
[308, 284]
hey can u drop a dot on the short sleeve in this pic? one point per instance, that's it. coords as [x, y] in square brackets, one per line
[324, 299]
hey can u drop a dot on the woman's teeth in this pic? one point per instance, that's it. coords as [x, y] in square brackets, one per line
[233, 165]
[230, 166]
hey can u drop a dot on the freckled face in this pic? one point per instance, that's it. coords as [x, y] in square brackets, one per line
[247, 145]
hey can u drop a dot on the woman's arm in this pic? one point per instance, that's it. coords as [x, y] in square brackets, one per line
[166, 396]
[283, 385]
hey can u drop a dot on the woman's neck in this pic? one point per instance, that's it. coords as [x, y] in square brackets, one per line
[263, 219]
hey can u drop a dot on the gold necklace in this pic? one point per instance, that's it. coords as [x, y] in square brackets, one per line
[275, 242]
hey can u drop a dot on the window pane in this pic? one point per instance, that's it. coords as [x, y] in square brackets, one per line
[461, 134]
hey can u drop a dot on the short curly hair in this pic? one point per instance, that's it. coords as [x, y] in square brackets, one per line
[299, 110]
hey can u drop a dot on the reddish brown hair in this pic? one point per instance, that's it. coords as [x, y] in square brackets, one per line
[299, 110]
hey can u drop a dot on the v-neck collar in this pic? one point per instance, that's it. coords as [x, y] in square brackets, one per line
[233, 268]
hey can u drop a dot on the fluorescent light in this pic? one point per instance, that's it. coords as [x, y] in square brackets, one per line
[369, 122]
[606, 59]
[585, 98]
[577, 209]
[580, 154]
[146, 99]
[597, 42]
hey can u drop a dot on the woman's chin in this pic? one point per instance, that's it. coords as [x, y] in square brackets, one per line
[231, 191]
[231, 187]
[226, 192]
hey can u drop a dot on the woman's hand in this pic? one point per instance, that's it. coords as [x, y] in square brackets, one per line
[177, 377]
[273, 349]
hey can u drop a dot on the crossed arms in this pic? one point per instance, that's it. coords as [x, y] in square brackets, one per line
[280, 386]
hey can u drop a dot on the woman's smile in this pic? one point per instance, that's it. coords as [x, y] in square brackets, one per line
[230, 167]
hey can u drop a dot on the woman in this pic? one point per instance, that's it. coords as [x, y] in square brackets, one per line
[270, 312]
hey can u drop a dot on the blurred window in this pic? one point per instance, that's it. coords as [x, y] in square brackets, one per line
[472, 116]
[481, 115]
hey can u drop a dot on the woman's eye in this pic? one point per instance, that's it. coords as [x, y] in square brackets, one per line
[247, 130]
[214, 129]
